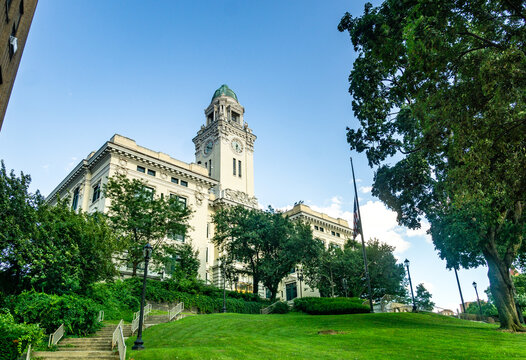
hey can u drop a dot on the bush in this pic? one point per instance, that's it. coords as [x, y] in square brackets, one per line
[79, 315]
[115, 299]
[330, 306]
[14, 337]
[280, 308]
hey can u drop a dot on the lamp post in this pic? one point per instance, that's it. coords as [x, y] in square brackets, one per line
[224, 289]
[460, 291]
[345, 287]
[478, 300]
[138, 344]
[300, 278]
[406, 263]
[236, 280]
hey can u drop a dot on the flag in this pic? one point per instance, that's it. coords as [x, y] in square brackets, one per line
[356, 223]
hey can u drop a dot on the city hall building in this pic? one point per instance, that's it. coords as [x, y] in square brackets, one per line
[222, 175]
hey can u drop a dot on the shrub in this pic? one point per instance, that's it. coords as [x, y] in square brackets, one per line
[79, 315]
[330, 306]
[280, 308]
[115, 299]
[14, 337]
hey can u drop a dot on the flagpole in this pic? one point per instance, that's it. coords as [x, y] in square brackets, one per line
[363, 242]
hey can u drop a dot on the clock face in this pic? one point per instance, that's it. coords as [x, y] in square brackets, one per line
[208, 147]
[237, 146]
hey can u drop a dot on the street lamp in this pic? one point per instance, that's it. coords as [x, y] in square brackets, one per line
[147, 252]
[478, 300]
[406, 263]
[345, 287]
[224, 289]
[300, 278]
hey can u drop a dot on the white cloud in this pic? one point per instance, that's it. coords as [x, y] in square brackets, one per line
[421, 232]
[366, 189]
[378, 221]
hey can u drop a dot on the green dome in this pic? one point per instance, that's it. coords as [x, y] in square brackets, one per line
[225, 90]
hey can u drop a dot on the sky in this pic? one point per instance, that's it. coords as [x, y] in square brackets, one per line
[147, 70]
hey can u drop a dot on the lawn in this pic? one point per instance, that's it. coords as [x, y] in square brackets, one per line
[297, 336]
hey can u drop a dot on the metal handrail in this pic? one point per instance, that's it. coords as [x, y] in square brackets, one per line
[56, 336]
[101, 316]
[118, 339]
[175, 311]
[136, 317]
[28, 355]
[267, 310]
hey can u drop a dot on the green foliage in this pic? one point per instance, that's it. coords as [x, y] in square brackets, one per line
[181, 261]
[78, 314]
[341, 272]
[487, 309]
[116, 299]
[138, 216]
[439, 90]
[280, 307]
[15, 337]
[50, 248]
[423, 298]
[266, 242]
[330, 306]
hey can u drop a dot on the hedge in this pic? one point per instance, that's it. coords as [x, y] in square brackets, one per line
[14, 337]
[78, 314]
[330, 306]
[279, 307]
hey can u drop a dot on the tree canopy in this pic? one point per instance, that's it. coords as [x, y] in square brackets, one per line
[438, 88]
[139, 216]
[423, 298]
[49, 248]
[340, 272]
[263, 244]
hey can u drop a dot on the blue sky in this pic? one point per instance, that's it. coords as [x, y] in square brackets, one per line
[147, 70]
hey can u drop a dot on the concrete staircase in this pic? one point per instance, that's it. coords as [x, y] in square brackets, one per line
[97, 346]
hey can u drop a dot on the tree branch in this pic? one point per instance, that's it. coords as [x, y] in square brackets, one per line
[489, 42]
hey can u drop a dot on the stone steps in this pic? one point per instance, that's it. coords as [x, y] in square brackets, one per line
[68, 354]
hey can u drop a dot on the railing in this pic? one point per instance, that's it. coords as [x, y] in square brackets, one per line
[267, 310]
[175, 311]
[136, 317]
[101, 316]
[56, 336]
[28, 355]
[118, 339]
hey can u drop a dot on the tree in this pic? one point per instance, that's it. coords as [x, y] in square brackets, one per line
[18, 219]
[488, 309]
[264, 244]
[338, 272]
[438, 89]
[181, 261]
[139, 217]
[50, 248]
[423, 298]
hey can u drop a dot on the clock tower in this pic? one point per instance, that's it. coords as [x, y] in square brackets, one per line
[225, 146]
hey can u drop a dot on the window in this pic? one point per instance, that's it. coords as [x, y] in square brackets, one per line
[175, 180]
[180, 199]
[316, 227]
[333, 233]
[75, 201]
[96, 192]
[210, 167]
[141, 169]
[338, 234]
[206, 259]
[207, 232]
[234, 166]
[184, 183]
[235, 117]
[151, 172]
[149, 190]
[322, 229]
[239, 168]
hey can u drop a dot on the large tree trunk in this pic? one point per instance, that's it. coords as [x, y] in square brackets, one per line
[503, 291]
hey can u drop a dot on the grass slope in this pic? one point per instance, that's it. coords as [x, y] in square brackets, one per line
[295, 336]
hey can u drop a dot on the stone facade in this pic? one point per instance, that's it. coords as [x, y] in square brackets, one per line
[15, 20]
[223, 175]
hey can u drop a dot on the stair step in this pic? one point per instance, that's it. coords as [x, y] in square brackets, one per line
[75, 354]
